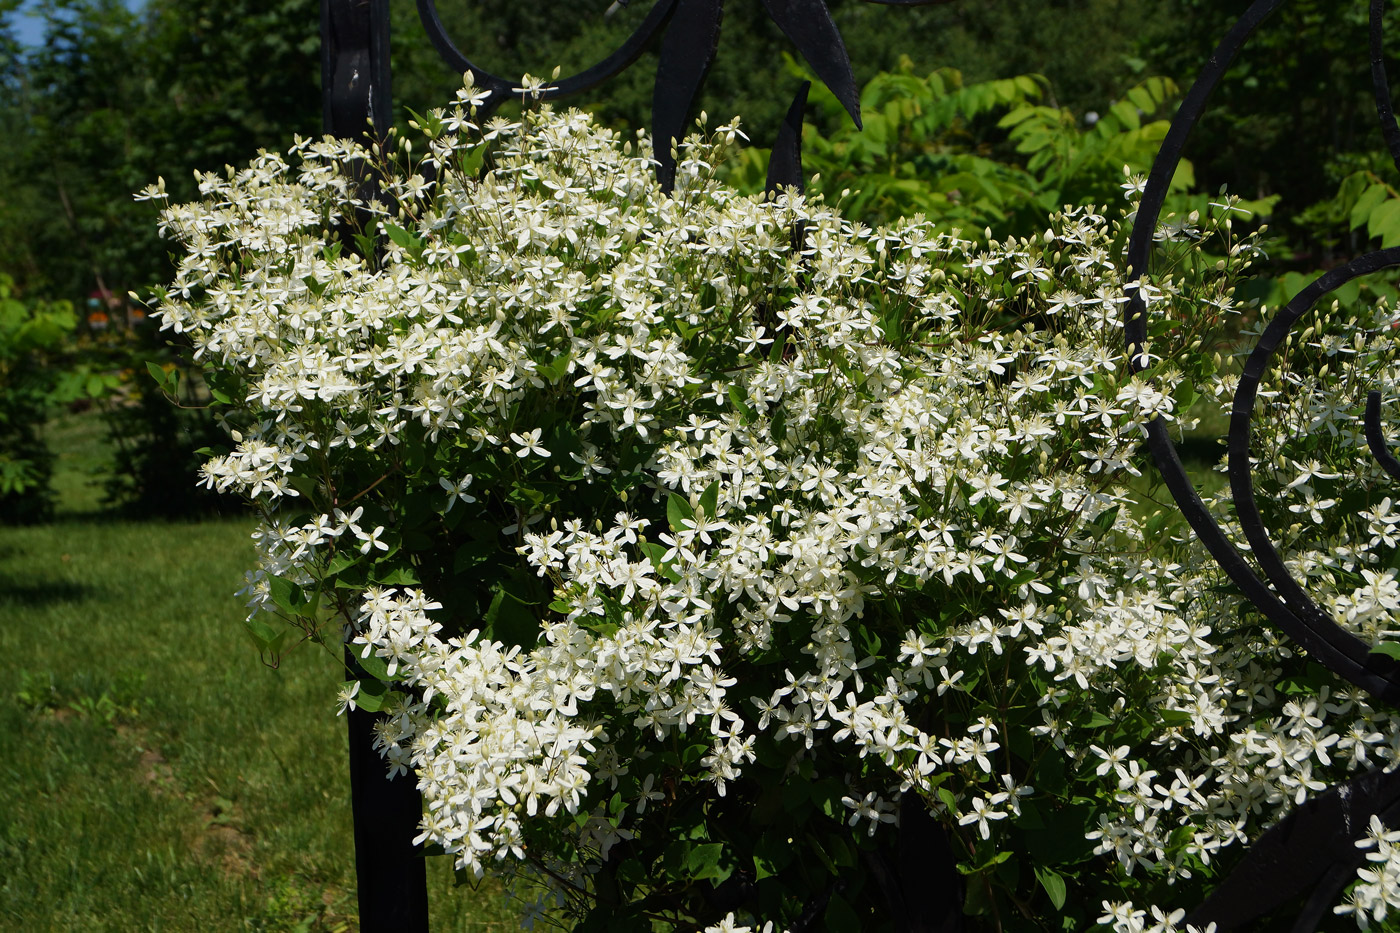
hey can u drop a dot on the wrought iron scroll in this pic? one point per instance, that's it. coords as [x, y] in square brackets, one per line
[689, 31]
[1314, 847]
[500, 88]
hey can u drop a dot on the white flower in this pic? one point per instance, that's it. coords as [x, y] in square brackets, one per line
[982, 815]
[345, 698]
[371, 540]
[529, 443]
[456, 491]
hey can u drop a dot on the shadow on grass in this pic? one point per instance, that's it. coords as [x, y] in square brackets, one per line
[97, 516]
[31, 593]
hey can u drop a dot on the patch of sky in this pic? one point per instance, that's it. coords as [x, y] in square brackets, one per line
[27, 22]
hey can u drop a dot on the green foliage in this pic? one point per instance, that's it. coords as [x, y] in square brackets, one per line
[114, 98]
[30, 333]
[1294, 116]
[992, 154]
[1087, 48]
[157, 425]
[1363, 214]
[1366, 205]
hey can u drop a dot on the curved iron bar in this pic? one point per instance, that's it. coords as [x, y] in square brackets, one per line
[1375, 438]
[501, 88]
[1347, 654]
[1295, 613]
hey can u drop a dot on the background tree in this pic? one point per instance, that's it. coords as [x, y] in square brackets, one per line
[1089, 49]
[1293, 117]
[113, 99]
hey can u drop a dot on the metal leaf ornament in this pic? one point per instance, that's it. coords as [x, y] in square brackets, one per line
[809, 25]
[687, 49]
[785, 164]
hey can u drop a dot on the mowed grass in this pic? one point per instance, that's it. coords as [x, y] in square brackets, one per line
[156, 775]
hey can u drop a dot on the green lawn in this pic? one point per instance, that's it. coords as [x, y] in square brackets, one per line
[156, 775]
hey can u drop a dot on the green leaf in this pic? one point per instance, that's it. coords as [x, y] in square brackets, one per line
[825, 859]
[1370, 199]
[374, 666]
[342, 562]
[1385, 216]
[1062, 840]
[472, 553]
[1185, 395]
[678, 511]
[223, 385]
[266, 638]
[709, 499]
[511, 619]
[555, 369]
[158, 373]
[473, 159]
[1142, 99]
[703, 863]
[775, 350]
[779, 425]
[399, 576]
[402, 238]
[1390, 649]
[287, 595]
[1054, 885]
[1390, 235]
[996, 859]
[740, 401]
[840, 917]
[656, 553]
[373, 695]
[772, 853]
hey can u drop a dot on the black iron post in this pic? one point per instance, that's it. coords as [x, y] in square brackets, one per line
[390, 871]
[355, 88]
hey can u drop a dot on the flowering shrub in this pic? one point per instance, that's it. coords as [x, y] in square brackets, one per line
[689, 544]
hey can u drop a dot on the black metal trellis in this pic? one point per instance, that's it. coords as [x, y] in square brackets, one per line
[1314, 847]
